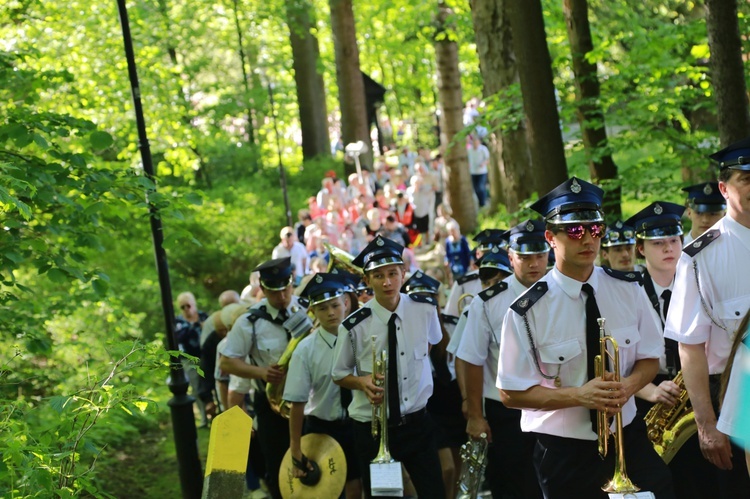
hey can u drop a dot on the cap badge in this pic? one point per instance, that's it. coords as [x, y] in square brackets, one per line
[380, 242]
[575, 187]
[495, 249]
[318, 279]
[523, 303]
[529, 227]
[658, 209]
[618, 224]
[275, 271]
[707, 190]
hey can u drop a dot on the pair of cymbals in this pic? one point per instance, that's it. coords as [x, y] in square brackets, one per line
[328, 454]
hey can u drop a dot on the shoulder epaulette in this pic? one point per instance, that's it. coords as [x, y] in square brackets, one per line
[524, 302]
[258, 313]
[423, 298]
[701, 242]
[468, 277]
[449, 319]
[357, 317]
[632, 276]
[493, 290]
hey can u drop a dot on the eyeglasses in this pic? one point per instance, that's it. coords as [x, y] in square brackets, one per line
[614, 236]
[185, 305]
[576, 232]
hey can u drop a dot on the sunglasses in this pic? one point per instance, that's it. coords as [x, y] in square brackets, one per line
[576, 232]
[614, 236]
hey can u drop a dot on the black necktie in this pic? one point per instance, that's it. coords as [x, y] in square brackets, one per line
[666, 295]
[346, 399]
[592, 337]
[394, 401]
[283, 316]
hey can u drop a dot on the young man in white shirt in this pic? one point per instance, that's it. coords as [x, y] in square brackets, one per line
[405, 326]
[548, 345]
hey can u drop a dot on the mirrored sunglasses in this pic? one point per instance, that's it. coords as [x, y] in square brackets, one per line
[577, 231]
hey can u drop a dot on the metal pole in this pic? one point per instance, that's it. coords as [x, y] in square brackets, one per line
[181, 404]
[282, 171]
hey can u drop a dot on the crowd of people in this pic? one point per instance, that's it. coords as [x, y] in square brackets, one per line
[496, 342]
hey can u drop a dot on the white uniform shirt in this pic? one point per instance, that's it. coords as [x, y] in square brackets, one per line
[309, 377]
[736, 399]
[472, 287]
[558, 326]
[298, 255]
[458, 333]
[262, 340]
[687, 239]
[417, 327]
[724, 276]
[480, 344]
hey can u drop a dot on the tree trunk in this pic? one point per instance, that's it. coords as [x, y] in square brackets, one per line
[351, 85]
[534, 64]
[311, 96]
[588, 106]
[727, 73]
[460, 190]
[497, 63]
[250, 130]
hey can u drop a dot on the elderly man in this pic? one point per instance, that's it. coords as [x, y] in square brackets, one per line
[290, 247]
[188, 334]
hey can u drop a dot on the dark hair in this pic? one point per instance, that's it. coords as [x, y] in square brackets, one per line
[725, 175]
[488, 273]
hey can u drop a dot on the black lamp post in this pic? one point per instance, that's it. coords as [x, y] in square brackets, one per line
[181, 404]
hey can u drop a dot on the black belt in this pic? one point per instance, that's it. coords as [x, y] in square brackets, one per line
[412, 417]
[325, 422]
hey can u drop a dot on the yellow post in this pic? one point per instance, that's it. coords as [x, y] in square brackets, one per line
[227, 455]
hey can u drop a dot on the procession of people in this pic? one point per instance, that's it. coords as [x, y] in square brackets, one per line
[554, 347]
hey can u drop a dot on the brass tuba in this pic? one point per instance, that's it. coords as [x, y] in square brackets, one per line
[464, 301]
[670, 427]
[300, 326]
[474, 460]
[620, 483]
[380, 411]
[340, 259]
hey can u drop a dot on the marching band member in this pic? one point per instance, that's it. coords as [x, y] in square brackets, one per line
[261, 335]
[705, 207]
[406, 326]
[316, 401]
[618, 247]
[711, 293]
[445, 403]
[510, 452]
[548, 343]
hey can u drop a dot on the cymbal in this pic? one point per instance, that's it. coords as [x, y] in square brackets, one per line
[324, 450]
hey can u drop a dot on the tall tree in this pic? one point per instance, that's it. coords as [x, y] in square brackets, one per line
[351, 85]
[311, 97]
[460, 190]
[588, 106]
[497, 63]
[727, 72]
[250, 128]
[548, 165]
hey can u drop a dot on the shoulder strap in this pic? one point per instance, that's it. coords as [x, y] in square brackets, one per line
[623, 276]
[524, 302]
[493, 290]
[701, 242]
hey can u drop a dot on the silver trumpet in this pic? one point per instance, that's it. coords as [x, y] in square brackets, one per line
[474, 458]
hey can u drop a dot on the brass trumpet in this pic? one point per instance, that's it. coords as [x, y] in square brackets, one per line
[620, 482]
[380, 411]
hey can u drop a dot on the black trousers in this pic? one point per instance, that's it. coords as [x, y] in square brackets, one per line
[342, 431]
[571, 468]
[413, 444]
[273, 438]
[510, 466]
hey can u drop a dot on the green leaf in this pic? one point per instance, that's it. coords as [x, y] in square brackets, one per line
[100, 287]
[101, 140]
[59, 402]
[194, 198]
[57, 276]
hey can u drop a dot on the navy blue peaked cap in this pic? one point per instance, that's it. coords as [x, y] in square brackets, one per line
[735, 156]
[618, 234]
[419, 282]
[658, 220]
[573, 201]
[490, 238]
[275, 274]
[323, 287]
[705, 198]
[527, 238]
[496, 258]
[378, 253]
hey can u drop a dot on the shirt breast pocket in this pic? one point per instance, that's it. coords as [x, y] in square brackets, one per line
[270, 343]
[560, 353]
[732, 310]
[626, 337]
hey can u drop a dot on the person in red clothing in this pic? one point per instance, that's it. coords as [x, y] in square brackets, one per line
[404, 213]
